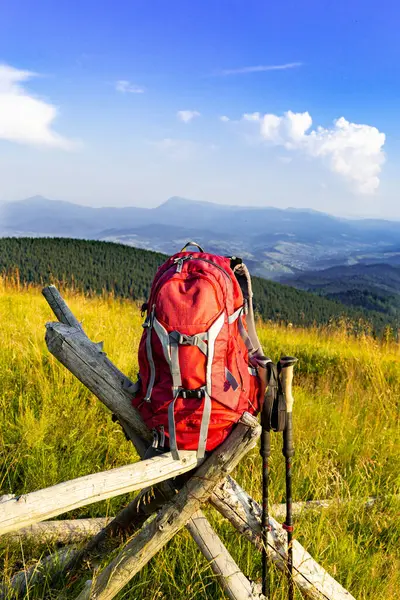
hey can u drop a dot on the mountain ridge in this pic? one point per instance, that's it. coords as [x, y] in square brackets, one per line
[180, 200]
[276, 241]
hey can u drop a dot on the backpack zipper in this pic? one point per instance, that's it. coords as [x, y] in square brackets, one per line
[214, 264]
[210, 262]
[179, 262]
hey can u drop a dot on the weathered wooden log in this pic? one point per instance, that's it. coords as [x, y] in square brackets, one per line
[279, 510]
[233, 582]
[135, 430]
[72, 531]
[137, 512]
[245, 514]
[27, 509]
[6, 497]
[60, 308]
[67, 531]
[158, 531]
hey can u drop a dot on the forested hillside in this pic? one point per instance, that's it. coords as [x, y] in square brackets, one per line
[374, 286]
[94, 266]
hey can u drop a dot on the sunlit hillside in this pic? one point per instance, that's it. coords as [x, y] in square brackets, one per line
[346, 428]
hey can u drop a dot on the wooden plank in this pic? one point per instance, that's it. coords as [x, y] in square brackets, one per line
[6, 497]
[245, 514]
[22, 511]
[67, 531]
[158, 531]
[279, 510]
[235, 585]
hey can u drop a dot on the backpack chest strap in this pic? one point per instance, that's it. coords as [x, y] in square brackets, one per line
[181, 339]
[176, 339]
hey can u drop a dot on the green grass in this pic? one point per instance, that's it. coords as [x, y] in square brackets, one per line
[347, 440]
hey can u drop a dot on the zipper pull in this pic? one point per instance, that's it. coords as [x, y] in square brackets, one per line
[179, 262]
[155, 438]
[162, 436]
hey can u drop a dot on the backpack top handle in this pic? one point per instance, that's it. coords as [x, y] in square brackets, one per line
[192, 244]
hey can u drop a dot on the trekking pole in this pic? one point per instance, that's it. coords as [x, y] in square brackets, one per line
[285, 366]
[265, 454]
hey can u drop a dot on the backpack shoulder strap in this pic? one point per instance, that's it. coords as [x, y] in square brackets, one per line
[253, 343]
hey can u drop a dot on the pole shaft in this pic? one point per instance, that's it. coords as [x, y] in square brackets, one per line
[265, 454]
[287, 364]
[288, 452]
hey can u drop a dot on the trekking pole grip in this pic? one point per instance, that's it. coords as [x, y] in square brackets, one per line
[287, 364]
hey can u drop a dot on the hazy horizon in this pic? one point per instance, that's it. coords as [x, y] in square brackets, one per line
[163, 201]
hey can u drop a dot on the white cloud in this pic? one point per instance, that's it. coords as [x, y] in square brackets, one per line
[224, 119]
[187, 115]
[260, 69]
[24, 118]
[351, 150]
[126, 87]
[251, 116]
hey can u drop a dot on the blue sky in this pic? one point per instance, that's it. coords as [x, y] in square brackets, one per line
[120, 103]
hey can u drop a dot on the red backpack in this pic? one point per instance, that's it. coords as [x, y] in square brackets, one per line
[200, 362]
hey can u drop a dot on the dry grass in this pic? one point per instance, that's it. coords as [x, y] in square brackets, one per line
[346, 432]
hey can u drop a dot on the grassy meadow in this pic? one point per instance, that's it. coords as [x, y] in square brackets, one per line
[347, 438]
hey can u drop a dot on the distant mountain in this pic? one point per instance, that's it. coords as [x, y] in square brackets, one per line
[40, 216]
[275, 242]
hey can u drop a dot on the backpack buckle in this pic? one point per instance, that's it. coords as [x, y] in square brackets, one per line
[197, 393]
